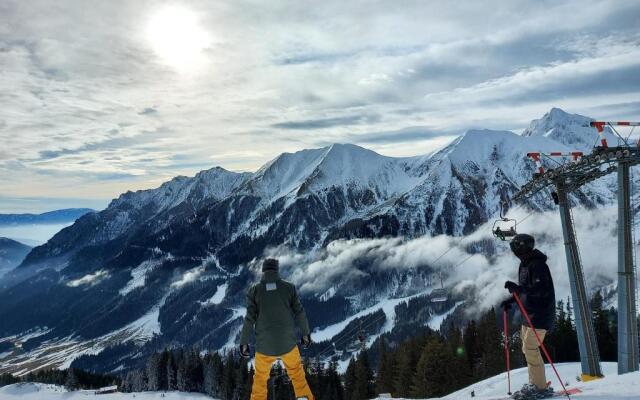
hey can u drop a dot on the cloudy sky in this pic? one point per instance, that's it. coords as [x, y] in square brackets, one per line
[100, 97]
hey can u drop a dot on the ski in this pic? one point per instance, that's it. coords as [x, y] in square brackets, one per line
[555, 395]
[567, 392]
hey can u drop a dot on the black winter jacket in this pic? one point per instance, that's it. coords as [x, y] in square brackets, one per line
[538, 295]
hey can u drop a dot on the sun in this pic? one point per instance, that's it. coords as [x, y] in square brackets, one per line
[177, 38]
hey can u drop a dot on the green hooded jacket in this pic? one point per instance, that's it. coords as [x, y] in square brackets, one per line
[273, 310]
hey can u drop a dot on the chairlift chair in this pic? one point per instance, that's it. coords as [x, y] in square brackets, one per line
[360, 341]
[337, 352]
[439, 295]
[353, 346]
[504, 228]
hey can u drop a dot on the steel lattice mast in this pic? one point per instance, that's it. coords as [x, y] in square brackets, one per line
[565, 179]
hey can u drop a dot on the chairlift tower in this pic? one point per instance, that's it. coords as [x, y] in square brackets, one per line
[565, 179]
[587, 343]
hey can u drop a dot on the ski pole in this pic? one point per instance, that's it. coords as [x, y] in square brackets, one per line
[506, 349]
[544, 348]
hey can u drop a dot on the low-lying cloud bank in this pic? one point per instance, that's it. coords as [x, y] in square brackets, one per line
[345, 261]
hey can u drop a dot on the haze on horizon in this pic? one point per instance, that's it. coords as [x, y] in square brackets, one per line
[103, 97]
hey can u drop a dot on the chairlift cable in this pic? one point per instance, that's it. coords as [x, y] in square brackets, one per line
[618, 134]
[375, 320]
[631, 133]
[349, 334]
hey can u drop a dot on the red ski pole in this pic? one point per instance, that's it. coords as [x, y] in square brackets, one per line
[542, 346]
[506, 349]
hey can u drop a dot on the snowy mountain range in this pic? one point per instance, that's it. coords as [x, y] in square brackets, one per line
[51, 217]
[169, 266]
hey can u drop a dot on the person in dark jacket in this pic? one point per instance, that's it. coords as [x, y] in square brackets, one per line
[273, 311]
[535, 288]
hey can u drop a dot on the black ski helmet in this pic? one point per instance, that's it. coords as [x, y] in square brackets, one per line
[522, 244]
[270, 264]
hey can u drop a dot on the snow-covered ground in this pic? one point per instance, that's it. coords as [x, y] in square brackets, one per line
[612, 386]
[38, 391]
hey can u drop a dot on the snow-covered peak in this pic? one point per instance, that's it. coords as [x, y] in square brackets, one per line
[285, 172]
[475, 145]
[350, 165]
[337, 165]
[489, 149]
[572, 130]
[215, 183]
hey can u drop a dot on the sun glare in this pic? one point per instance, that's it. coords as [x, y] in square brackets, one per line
[177, 38]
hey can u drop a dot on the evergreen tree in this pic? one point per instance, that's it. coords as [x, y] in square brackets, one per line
[249, 383]
[137, 381]
[364, 384]
[434, 370]
[212, 370]
[333, 389]
[470, 340]
[242, 378]
[462, 374]
[171, 372]
[562, 341]
[182, 380]
[154, 372]
[228, 378]
[313, 374]
[189, 377]
[607, 342]
[350, 380]
[384, 377]
[71, 383]
[491, 359]
[403, 373]
[8, 379]
[195, 370]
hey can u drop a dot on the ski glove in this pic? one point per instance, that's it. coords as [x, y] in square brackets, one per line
[306, 341]
[512, 287]
[244, 351]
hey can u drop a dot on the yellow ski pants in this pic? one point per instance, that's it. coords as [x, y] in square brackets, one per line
[295, 370]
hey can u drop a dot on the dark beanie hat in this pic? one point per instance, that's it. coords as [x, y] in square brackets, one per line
[270, 264]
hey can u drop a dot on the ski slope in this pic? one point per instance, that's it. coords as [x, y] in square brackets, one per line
[39, 391]
[612, 386]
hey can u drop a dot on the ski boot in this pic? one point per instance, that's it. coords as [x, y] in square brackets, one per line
[531, 392]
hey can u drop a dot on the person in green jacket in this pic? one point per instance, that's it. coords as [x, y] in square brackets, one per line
[273, 310]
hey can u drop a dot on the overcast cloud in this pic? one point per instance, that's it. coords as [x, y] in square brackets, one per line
[99, 97]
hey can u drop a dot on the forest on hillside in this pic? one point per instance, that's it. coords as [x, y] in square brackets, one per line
[430, 363]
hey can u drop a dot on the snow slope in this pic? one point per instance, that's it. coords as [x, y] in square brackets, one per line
[39, 391]
[612, 386]
[339, 165]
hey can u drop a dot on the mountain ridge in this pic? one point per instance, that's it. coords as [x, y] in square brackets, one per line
[49, 217]
[12, 252]
[156, 256]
